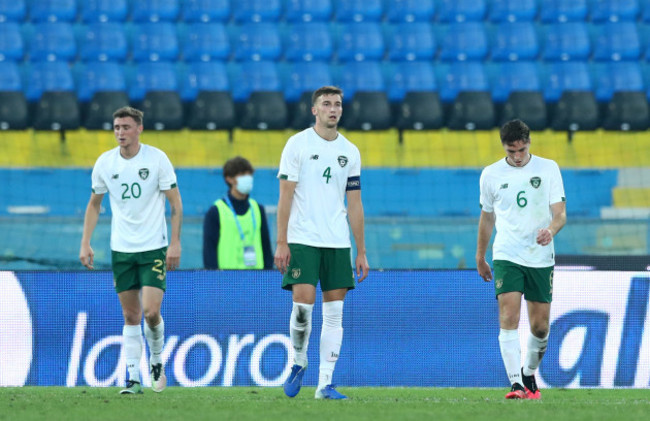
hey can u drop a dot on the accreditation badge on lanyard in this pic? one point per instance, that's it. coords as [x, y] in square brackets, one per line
[250, 258]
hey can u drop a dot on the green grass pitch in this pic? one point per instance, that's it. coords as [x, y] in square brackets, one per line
[366, 403]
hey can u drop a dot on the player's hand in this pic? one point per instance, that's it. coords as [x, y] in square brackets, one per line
[544, 236]
[282, 257]
[87, 256]
[173, 259]
[483, 269]
[362, 266]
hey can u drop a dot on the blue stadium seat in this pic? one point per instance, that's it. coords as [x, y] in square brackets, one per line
[53, 11]
[48, 77]
[308, 11]
[11, 42]
[552, 11]
[461, 10]
[252, 76]
[256, 10]
[614, 10]
[104, 11]
[53, 42]
[414, 76]
[149, 77]
[308, 42]
[412, 41]
[463, 76]
[361, 41]
[565, 76]
[204, 76]
[366, 76]
[566, 41]
[206, 11]
[258, 42]
[304, 77]
[617, 41]
[617, 77]
[512, 10]
[155, 10]
[464, 41]
[10, 79]
[645, 13]
[358, 10]
[513, 77]
[100, 77]
[410, 10]
[515, 41]
[206, 42]
[104, 42]
[155, 42]
[12, 10]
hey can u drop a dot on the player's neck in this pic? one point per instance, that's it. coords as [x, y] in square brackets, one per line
[129, 151]
[326, 133]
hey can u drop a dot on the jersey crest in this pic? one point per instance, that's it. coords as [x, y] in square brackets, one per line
[535, 182]
[144, 173]
[343, 161]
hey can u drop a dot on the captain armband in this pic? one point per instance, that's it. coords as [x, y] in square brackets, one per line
[354, 183]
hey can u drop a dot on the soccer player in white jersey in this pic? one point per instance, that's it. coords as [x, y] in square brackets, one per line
[319, 169]
[137, 178]
[523, 196]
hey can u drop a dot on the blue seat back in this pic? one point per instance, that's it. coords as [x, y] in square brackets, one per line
[53, 10]
[515, 41]
[53, 42]
[461, 10]
[615, 11]
[617, 41]
[414, 76]
[565, 76]
[515, 76]
[464, 41]
[512, 10]
[155, 10]
[206, 42]
[616, 77]
[12, 10]
[155, 42]
[152, 76]
[104, 10]
[244, 11]
[552, 11]
[104, 42]
[306, 77]
[258, 41]
[308, 42]
[204, 76]
[360, 76]
[10, 79]
[254, 76]
[463, 76]
[100, 77]
[308, 10]
[206, 11]
[358, 10]
[361, 41]
[410, 10]
[47, 77]
[11, 42]
[412, 41]
[566, 41]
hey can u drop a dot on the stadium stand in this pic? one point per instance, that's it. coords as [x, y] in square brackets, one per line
[205, 42]
[206, 11]
[155, 42]
[308, 11]
[104, 42]
[93, 11]
[461, 10]
[11, 42]
[358, 10]
[411, 41]
[258, 42]
[12, 10]
[512, 10]
[155, 10]
[246, 11]
[410, 10]
[52, 11]
[307, 41]
[464, 41]
[53, 41]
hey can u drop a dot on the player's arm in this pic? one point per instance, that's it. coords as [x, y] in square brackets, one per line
[86, 253]
[485, 227]
[545, 235]
[356, 217]
[174, 250]
[282, 253]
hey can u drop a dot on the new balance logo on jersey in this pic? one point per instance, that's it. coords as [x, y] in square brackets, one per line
[115, 176]
[314, 157]
[504, 186]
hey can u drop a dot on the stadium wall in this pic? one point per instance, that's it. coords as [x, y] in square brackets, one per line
[402, 328]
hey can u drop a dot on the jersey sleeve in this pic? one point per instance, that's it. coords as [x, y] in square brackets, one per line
[290, 162]
[355, 169]
[486, 198]
[166, 175]
[98, 184]
[557, 186]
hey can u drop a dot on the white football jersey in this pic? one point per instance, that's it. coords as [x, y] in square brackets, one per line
[321, 169]
[521, 197]
[135, 187]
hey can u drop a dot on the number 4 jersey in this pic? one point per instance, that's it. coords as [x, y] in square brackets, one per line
[135, 187]
[323, 170]
[521, 198]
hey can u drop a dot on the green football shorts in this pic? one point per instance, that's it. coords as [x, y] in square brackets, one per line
[535, 283]
[135, 270]
[333, 266]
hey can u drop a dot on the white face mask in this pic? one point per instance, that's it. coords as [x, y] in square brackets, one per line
[244, 183]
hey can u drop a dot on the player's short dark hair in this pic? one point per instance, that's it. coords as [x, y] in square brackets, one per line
[134, 113]
[326, 90]
[513, 131]
[236, 166]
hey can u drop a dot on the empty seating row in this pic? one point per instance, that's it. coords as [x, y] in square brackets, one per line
[323, 10]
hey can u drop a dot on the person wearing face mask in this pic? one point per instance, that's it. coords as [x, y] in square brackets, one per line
[235, 230]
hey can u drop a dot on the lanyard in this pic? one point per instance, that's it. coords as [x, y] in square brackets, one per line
[241, 231]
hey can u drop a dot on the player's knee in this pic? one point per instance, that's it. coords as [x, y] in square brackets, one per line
[540, 331]
[152, 316]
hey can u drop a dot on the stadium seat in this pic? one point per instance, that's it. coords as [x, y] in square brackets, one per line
[204, 76]
[14, 114]
[206, 42]
[358, 10]
[206, 11]
[12, 11]
[463, 76]
[53, 42]
[566, 42]
[57, 110]
[98, 77]
[104, 42]
[617, 41]
[12, 47]
[410, 10]
[614, 11]
[300, 112]
[148, 76]
[305, 77]
[360, 76]
[464, 41]
[10, 79]
[615, 77]
[258, 42]
[254, 76]
[93, 11]
[412, 41]
[528, 106]
[163, 110]
[575, 110]
[46, 77]
[368, 111]
[512, 11]
[645, 13]
[265, 110]
[472, 110]
[416, 76]
[515, 76]
[155, 42]
[308, 11]
[515, 41]
[461, 10]
[155, 11]
[565, 76]
[420, 111]
[361, 41]
[309, 41]
[627, 110]
[99, 112]
[552, 11]
[245, 11]
[212, 110]
[53, 11]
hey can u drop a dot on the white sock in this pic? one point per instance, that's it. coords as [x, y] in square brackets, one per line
[511, 354]
[536, 349]
[299, 331]
[330, 341]
[156, 339]
[132, 348]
